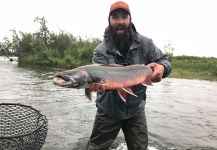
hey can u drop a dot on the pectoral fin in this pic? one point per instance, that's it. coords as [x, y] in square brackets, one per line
[88, 94]
[122, 92]
[128, 90]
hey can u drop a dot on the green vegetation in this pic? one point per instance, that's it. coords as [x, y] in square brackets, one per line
[194, 67]
[45, 48]
[63, 50]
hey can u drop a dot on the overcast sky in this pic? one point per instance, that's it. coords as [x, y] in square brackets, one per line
[189, 25]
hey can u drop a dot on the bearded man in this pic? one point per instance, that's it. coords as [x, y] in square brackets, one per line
[123, 45]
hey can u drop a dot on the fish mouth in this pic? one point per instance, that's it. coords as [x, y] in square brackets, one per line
[64, 81]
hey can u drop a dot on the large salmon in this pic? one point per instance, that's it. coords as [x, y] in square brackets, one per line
[112, 77]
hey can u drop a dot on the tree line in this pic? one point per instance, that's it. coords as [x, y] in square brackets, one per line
[46, 48]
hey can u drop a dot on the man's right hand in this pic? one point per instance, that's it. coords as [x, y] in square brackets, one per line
[158, 71]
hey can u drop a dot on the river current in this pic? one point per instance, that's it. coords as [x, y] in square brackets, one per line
[181, 114]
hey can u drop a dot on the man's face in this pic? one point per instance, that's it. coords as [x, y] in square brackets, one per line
[120, 22]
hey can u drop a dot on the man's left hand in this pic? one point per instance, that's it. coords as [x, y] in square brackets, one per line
[158, 71]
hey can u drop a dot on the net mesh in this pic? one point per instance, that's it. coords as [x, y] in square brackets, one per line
[21, 127]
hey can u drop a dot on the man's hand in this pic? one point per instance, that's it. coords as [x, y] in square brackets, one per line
[158, 71]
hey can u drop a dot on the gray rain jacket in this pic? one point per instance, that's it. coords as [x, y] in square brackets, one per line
[142, 51]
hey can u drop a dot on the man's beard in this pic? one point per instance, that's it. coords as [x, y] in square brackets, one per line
[122, 39]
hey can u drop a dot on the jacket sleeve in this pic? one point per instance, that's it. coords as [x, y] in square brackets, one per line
[98, 56]
[156, 55]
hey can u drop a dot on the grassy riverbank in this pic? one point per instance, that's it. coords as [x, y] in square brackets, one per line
[190, 67]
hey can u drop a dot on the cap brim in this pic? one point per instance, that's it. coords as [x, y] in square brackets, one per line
[119, 10]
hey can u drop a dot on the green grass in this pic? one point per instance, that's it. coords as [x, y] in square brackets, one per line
[190, 67]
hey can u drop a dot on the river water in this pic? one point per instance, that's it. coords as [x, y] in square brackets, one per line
[181, 114]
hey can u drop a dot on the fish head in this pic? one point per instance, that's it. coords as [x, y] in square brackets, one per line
[76, 78]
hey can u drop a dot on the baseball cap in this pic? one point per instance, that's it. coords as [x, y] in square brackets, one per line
[119, 5]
